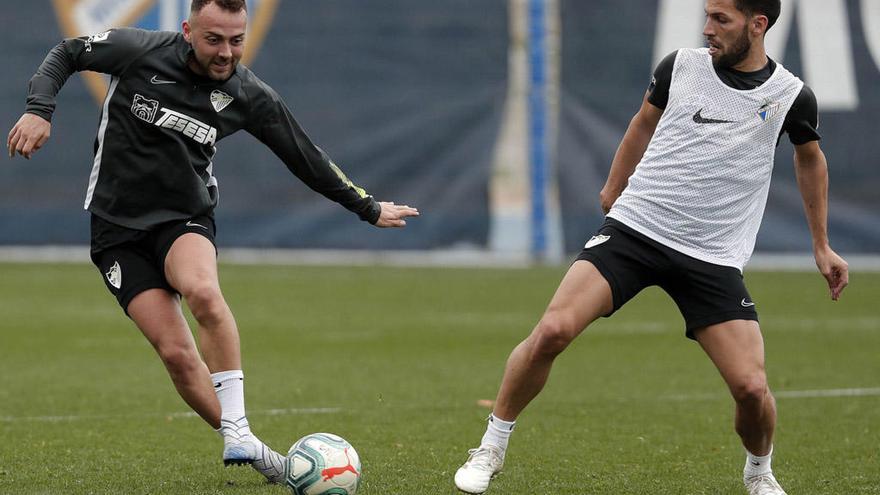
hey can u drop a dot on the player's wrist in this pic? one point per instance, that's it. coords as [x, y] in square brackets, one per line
[42, 113]
[372, 213]
[610, 192]
[821, 246]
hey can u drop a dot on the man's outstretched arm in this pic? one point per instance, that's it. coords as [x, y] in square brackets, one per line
[110, 52]
[811, 169]
[273, 124]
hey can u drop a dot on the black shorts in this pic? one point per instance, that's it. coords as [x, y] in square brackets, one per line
[705, 293]
[132, 261]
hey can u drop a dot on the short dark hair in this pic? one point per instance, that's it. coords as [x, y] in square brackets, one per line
[769, 8]
[228, 5]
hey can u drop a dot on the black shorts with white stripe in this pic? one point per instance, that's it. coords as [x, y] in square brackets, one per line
[133, 261]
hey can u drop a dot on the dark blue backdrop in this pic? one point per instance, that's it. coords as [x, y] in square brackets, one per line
[408, 99]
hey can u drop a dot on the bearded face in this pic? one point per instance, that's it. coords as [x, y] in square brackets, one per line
[725, 56]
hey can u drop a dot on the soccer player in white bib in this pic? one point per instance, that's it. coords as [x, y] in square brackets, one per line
[684, 199]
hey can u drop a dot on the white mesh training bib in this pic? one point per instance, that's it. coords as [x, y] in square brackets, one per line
[702, 184]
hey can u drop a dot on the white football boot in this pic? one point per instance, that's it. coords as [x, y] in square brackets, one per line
[482, 465]
[763, 484]
[240, 447]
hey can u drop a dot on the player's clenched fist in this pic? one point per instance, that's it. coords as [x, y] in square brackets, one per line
[28, 135]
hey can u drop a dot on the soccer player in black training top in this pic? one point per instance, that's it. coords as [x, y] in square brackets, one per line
[152, 192]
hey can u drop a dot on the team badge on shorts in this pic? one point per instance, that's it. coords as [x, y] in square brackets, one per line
[596, 240]
[95, 17]
[114, 275]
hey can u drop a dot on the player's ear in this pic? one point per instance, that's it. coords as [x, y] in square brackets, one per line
[759, 25]
[187, 31]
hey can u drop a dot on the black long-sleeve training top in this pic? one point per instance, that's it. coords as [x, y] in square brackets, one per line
[159, 124]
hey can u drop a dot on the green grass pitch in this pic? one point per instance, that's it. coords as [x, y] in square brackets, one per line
[395, 360]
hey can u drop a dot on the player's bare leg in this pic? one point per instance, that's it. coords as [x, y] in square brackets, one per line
[191, 268]
[582, 296]
[737, 349]
[158, 315]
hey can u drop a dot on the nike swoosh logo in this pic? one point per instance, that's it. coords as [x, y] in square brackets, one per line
[703, 120]
[156, 80]
[596, 240]
[217, 385]
[756, 463]
[746, 304]
[193, 224]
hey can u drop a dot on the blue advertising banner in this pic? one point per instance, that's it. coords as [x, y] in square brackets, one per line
[411, 99]
[406, 97]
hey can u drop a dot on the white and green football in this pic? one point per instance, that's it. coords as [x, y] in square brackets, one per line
[322, 464]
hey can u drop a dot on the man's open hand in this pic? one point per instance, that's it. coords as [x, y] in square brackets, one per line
[394, 215]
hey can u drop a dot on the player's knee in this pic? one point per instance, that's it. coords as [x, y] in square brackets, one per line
[751, 389]
[180, 360]
[206, 303]
[552, 335]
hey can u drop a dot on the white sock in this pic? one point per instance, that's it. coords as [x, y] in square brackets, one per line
[229, 387]
[498, 432]
[757, 465]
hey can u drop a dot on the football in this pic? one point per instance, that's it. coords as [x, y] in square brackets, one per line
[322, 464]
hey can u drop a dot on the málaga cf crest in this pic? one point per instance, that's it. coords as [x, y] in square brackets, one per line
[87, 17]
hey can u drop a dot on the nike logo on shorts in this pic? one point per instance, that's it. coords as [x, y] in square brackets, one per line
[746, 304]
[193, 224]
[596, 240]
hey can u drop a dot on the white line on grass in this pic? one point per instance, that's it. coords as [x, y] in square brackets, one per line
[301, 410]
[837, 392]
[187, 414]
[791, 394]
[783, 394]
